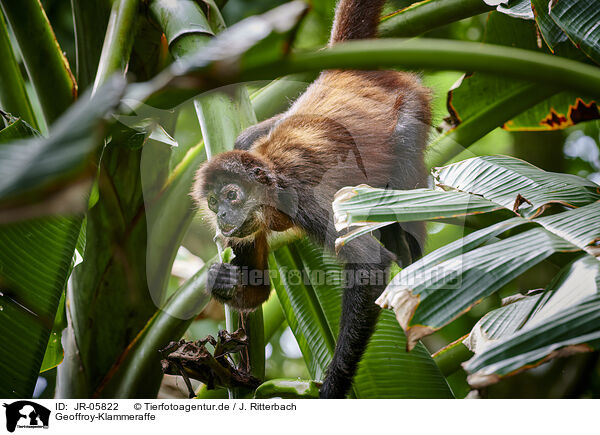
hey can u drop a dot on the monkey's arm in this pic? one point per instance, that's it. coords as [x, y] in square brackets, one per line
[245, 281]
[251, 134]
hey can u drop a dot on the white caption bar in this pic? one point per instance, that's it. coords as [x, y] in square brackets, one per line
[313, 416]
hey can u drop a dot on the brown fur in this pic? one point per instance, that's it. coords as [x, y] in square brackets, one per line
[366, 105]
[357, 23]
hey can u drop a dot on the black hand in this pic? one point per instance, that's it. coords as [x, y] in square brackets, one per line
[223, 281]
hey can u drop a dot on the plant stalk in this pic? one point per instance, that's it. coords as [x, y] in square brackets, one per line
[437, 54]
[427, 15]
[141, 356]
[428, 54]
[90, 20]
[450, 358]
[273, 316]
[184, 25]
[118, 40]
[222, 117]
[172, 321]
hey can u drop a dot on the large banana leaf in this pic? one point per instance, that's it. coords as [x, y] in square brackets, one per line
[46, 64]
[303, 314]
[477, 94]
[307, 284]
[36, 254]
[366, 209]
[35, 259]
[89, 21]
[426, 299]
[354, 205]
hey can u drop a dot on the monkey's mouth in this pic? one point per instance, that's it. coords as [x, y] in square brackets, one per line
[227, 230]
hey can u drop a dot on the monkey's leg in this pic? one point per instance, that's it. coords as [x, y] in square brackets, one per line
[365, 282]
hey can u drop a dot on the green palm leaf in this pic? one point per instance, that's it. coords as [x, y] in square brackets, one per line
[504, 180]
[443, 285]
[525, 333]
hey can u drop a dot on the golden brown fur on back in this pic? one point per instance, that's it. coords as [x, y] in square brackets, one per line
[363, 108]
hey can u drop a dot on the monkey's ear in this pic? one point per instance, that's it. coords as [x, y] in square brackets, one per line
[261, 175]
[256, 169]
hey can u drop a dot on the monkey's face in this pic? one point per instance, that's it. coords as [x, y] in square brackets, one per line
[236, 209]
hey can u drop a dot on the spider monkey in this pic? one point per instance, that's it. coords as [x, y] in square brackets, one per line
[348, 128]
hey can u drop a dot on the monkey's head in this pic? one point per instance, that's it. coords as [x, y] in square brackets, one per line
[237, 187]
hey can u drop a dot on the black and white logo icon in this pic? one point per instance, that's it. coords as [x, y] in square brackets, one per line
[26, 414]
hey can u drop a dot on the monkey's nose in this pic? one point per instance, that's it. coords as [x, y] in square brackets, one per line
[221, 214]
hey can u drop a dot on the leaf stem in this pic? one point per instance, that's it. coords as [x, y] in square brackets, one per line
[432, 54]
[222, 117]
[184, 25]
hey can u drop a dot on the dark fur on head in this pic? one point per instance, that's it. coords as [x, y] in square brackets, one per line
[238, 166]
[256, 177]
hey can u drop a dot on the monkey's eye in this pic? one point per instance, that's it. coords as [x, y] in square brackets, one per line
[232, 195]
[212, 202]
